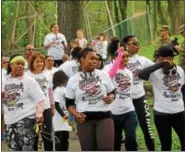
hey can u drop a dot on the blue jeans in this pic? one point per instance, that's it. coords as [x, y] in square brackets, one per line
[127, 122]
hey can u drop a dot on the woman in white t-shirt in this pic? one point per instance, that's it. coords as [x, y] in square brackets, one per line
[100, 63]
[49, 67]
[124, 115]
[55, 43]
[60, 124]
[135, 64]
[167, 80]
[36, 70]
[91, 90]
[23, 98]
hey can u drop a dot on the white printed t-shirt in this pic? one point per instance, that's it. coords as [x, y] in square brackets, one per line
[51, 72]
[123, 81]
[135, 64]
[59, 124]
[21, 97]
[88, 89]
[44, 80]
[167, 91]
[56, 50]
[70, 68]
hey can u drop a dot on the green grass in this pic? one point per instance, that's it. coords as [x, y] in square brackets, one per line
[140, 138]
[147, 51]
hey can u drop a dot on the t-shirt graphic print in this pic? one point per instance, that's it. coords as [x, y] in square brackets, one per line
[92, 89]
[14, 93]
[172, 85]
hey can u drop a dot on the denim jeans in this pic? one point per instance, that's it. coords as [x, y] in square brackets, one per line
[127, 122]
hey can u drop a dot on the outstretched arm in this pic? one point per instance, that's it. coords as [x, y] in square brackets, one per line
[145, 73]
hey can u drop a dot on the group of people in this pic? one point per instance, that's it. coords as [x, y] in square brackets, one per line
[41, 93]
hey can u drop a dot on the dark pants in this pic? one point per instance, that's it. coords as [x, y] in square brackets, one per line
[21, 135]
[46, 132]
[143, 115]
[164, 124]
[63, 137]
[58, 63]
[96, 135]
[128, 122]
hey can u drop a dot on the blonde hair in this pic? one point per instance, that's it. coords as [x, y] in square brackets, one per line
[65, 58]
[80, 30]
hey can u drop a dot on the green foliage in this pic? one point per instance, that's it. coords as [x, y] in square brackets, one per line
[140, 138]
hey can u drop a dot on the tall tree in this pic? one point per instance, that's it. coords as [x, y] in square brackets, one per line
[123, 11]
[161, 16]
[116, 11]
[70, 17]
[174, 8]
[29, 22]
[154, 18]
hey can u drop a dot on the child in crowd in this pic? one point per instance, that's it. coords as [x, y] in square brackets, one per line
[82, 42]
[101, 45]
[60, 124]
[73, 44]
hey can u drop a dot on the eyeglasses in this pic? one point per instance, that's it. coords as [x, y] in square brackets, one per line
[135, 43]
[5, 62]
[50, 60]
[30, 49]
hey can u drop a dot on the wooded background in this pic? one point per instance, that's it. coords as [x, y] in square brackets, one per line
[27, 21]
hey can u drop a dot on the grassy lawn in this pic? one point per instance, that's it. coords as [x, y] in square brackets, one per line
[140, 138]
[147, 51]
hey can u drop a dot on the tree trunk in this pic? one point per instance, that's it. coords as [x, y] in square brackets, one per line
[161, 16]
[116, 11]
[155, 19]
[123, 11]
[70, 18]
[148, 4]
[123, 8]
[12, 42]
[110, 8]
[29, 22]
[175, 19]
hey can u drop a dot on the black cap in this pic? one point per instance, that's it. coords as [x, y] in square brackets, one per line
[165, 51]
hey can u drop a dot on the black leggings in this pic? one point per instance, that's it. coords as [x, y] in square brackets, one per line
[46, 135]
[96, 135]
[164, 124]
[143, 114]
[63, 145]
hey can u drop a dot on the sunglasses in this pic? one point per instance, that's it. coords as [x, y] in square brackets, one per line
[30, 49]
[135, 43]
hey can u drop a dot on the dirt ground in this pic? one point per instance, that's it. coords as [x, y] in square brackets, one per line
[74, 144]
